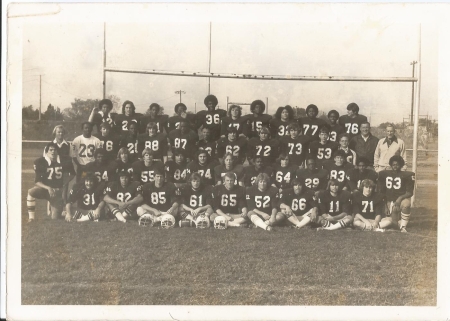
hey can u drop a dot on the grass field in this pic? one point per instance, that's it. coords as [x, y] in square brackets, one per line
[116, 263]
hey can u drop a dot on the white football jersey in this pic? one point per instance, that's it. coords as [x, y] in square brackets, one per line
[83, 148]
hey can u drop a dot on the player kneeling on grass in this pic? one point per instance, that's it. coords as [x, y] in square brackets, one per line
[122, 197]
[159, 198]
[89, 198]
[50, 172]
[262, 201]
[196, 202]
[368, 208]
[397, 187]
[334, 207]
[297, 205]
[229, 202]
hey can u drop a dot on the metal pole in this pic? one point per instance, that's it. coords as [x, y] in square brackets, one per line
[267, 105]
[416, 115]
[40, 95]
[227, 103]
[195, 108]
[104, 60]
[209, 69]
[412, 93]
[180, 96]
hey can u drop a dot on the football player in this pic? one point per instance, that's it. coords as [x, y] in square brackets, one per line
[104, 115]
[108, 141]
[256, 120]
[368, 208]
[284, 173]
[263, 146]
[59, 132]
[229, 165]
[156, 141]
[352, 121]
[282, 119]
[103, 170]
[176, 171]
[180, 115]
[50, 172]
[83, 148]
[196, 199]
[323, 149]
[298, 205]
[211, 118]
[233, 120]
[130, 141]
[203, 165]
[262, 202]
[229, 202]
[233, 144]
[335, 129]
[350, 154]
[159, 198]
[295, 145]
[334, 207]
[312, 177]
[339, 169]
[128, 117]
[252, 171]
[207, 143]
[144, 170]
[154, 117]
[356, 175]
[397, 187]
[122, 197]
[184, 138]
[123, 162]
[89, 198]
[312, 124]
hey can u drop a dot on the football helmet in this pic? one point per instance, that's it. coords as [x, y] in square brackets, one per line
[202, 222]
[146, 220]
[167, 221]
[220, 223]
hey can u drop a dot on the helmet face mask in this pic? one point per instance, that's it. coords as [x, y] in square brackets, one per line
[167, 221]
[146, 220]
[220, 223]
[202, 222]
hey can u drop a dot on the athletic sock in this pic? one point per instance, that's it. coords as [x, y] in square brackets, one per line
[305, 221]
[326, 224]
[233, 224]
[118, 215]
[404, 220]
[338, 225]
[31, 205]
[83, 218]
[258, 222]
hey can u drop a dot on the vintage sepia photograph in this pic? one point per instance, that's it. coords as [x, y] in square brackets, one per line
[254, 156]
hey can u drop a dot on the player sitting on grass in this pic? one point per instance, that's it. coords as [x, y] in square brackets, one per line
[297, 205]
[144, 170]
[89, 198]
[334, 207]
[356, 175]
[252, 171]
[397, 187]
[229, 202]
[196, 200]
[368, 208]
[123, 196]
[295, 145]
[262, 202]
[50, 173]
[323, 149]
[159, 198]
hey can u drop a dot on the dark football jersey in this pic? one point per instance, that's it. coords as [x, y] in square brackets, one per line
[315, 180]
[110, 144]
[268, 149]
[299, 203]
[86, 199]
[131, 143]
[355, 177]
[123, 167]
[158, 144]
[335, 205]
[99, 118]
[220, 171]
[367, 206]
[237, 148]
[211, 120]
[250, 174]
[311, 127]
[105, 172]
[278, 128]
[263, 201]
[63, 149]
[393, 184]
[161, 198]
[187, 141]
[352, 125]
[239, 124]
[284, 175]
[123, 194]
[339, 173]
[50, 173]
[145, 174]
[123, 122]
[297, 148]
[175, 173]
[335, 132]
[350, 155]
[210, 147]
[197, 198]
[205, 171]
[161, 122]
[174, 122]
[323, 153]
[229, 201]
[253, 124]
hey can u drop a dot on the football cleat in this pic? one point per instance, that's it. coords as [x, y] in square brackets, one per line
[220, 223]
[186, 223]
[379, 230]
[167, 221]
[202, 222]
[403, 230]
[146, 220]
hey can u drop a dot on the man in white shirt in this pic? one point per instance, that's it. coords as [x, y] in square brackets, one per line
[388, 147]
[83, 148]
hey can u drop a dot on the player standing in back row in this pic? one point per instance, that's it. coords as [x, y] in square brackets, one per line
[211, 118]
[257, 119]
[352, 121]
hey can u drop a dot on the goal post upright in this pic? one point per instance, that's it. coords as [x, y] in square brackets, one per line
[104, 60]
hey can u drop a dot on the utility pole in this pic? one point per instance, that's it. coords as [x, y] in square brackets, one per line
[40, 95]
[209, 69]
[180, 92]
[412, 94]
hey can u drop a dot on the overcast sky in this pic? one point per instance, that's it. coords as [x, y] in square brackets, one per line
[69, 58]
